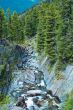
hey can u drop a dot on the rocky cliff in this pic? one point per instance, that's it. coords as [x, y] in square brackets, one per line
[61, 86]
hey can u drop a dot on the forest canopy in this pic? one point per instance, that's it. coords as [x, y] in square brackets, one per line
[50, 21]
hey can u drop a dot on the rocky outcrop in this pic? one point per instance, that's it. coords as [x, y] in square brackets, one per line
[5, 76]
[28, 86]
[62, 86]
[10, 56]
[29, 83]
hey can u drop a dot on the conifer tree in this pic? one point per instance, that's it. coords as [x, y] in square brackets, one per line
[2, 21]
[17, 28]
[64, 31]
[27, 27]
[40, 30]
[31, 21]
[14, 26]
[68, 21]
[50, 41]
[8, 14]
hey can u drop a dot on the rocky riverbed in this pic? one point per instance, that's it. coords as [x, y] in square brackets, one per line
[28, 87]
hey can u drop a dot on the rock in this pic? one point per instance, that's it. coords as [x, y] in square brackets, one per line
[35, 92]
[20, 84]
[23, 95]
[49, 97]
[42, 84]
[18, 108]
[7, 67]
[53, 108]
[27, 85]
[35, 100]
[55, 104]
[4, 42]
[49, 92]
[20, 65]
[15, 108]
[21, 102]
[57, 99]
[44, 106]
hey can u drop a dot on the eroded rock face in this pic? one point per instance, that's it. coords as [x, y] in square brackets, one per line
[10, 56]
[62, 86]
[5, 75]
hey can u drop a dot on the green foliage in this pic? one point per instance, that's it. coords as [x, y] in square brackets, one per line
[31, 21]
[1, 68]
[4, 100]
[2, 21]
[68, 105]
[51, 22]
[40, 36]
[50, 43]
[11, 26]
[55, 31]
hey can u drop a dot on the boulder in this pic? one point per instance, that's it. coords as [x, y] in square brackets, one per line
[49, 92]
[13, 107]
[35, 92]
[21, 102]
[4, 42]
[57, 99]
[16, 108]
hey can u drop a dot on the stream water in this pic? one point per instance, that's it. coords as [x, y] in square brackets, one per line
[28, 79]
[28, 82]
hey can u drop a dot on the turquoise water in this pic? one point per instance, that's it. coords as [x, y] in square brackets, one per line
[18, 5]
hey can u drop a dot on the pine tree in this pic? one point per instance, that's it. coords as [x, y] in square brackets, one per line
[31, 21]
[2, 21]
[8, 14]
[40, 30]
[40, 38]
[68, 21]
[64, 31]
[27, 27]
[50, 42]
[14, 26]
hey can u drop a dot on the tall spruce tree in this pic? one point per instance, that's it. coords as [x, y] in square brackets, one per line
[68, 21]
[8, 14]
[2, 21]
[64, 35]
[50, 41]
[41, 29]
[14, 27]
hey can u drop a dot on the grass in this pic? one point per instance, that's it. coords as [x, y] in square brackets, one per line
[68, 104]
[4, 102]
